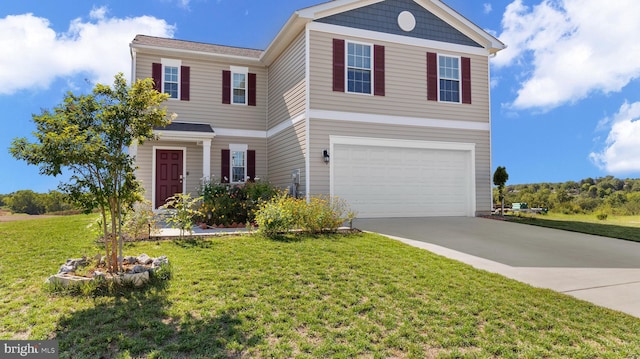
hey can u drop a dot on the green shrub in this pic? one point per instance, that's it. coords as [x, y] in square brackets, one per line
[182, 211]
[277, 215]
[224, 204]
[322, 214]
[283, 213]
[139, 221]
[602, 216]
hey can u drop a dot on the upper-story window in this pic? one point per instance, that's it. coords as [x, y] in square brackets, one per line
[359, 68]
[170, 77]
[449, 78]
[239, 89]
[170, 85]
[239, 86]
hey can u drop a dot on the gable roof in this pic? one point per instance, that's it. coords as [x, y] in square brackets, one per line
[301, 18]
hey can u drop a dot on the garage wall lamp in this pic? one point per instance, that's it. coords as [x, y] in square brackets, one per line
[325, 155]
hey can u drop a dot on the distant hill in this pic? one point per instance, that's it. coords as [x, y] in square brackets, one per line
[604, 194]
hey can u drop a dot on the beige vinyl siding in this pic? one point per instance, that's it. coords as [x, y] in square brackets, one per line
[144, 161]
[219, 143]
[287, 85]
[205, 105]
[322, 129]
[405, 83]
[287, 153]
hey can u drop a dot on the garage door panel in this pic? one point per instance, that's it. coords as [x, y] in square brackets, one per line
[383, 181]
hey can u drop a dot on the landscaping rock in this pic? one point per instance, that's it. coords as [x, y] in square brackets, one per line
[66, 269]
[139, 269]
[158, 262]
[138, 275]
[68, 280]
[137, 279]
[144, 259]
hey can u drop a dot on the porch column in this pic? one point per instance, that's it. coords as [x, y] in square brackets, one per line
[206, 160]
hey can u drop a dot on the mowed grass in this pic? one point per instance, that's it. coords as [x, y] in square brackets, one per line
[339, 296]
[621, 227]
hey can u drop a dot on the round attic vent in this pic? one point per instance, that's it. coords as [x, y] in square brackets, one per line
[406, 21]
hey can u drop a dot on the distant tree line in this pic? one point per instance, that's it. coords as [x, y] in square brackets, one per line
[30, 202]
[605, 194]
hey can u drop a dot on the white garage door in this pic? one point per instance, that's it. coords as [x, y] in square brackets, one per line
[395, 178]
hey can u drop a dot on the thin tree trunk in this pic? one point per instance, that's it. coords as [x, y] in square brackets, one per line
[114, 244]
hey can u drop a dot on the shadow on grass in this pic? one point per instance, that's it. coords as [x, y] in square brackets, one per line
[192, 242]
[138, 324]
[605, 230]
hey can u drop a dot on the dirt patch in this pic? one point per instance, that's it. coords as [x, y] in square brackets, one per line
[10, 217]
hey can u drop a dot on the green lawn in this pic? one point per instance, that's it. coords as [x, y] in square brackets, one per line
[622, 227]
[336, 297]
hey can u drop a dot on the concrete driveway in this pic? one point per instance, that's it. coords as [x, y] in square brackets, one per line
[601, 270]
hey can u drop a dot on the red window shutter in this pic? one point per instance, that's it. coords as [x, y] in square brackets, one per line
[432, 76]
[251, 101]
[251, 165]
[225, 172]
[466, 80]
[156, 75]
[378, 71]
[226, 86]
[185, 77]
[338, 65]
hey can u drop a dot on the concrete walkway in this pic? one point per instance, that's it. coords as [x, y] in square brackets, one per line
[600, 270]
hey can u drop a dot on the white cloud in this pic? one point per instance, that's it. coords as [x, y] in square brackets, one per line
[34, 55]
[569, 49]
[621, 153]
[487, 8]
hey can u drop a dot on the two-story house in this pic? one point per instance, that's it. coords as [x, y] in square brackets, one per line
[384, 103]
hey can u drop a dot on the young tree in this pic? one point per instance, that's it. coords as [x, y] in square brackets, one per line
[500, 177]
[89, 135]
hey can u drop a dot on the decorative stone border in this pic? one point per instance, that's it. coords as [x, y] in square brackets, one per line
[137, 275]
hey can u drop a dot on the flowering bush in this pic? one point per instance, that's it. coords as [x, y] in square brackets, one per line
[224, 204]
[277, 215]
[322, 214]
[283, 213]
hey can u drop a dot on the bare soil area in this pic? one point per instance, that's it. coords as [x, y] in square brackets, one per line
[10, 217]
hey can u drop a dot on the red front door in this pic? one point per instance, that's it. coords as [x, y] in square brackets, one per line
[168, 174]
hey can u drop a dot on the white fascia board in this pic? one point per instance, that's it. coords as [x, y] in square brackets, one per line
[164, 50]
[333, 7]
[397, 39]
[230, 132]
[183, 135]
[398, 120]
[284, 125]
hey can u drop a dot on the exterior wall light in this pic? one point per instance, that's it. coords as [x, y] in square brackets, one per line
[325, 155]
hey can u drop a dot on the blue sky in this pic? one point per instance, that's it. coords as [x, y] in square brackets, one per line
[565, 93]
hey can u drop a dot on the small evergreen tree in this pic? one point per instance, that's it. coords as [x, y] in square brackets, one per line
[500, 178]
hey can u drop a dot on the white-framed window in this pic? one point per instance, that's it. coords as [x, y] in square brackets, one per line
[238, 165]
[239, 85]
[359, 68]
[449, 78]
[171, 77]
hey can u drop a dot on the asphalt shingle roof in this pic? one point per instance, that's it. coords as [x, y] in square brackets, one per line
[195, 46]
